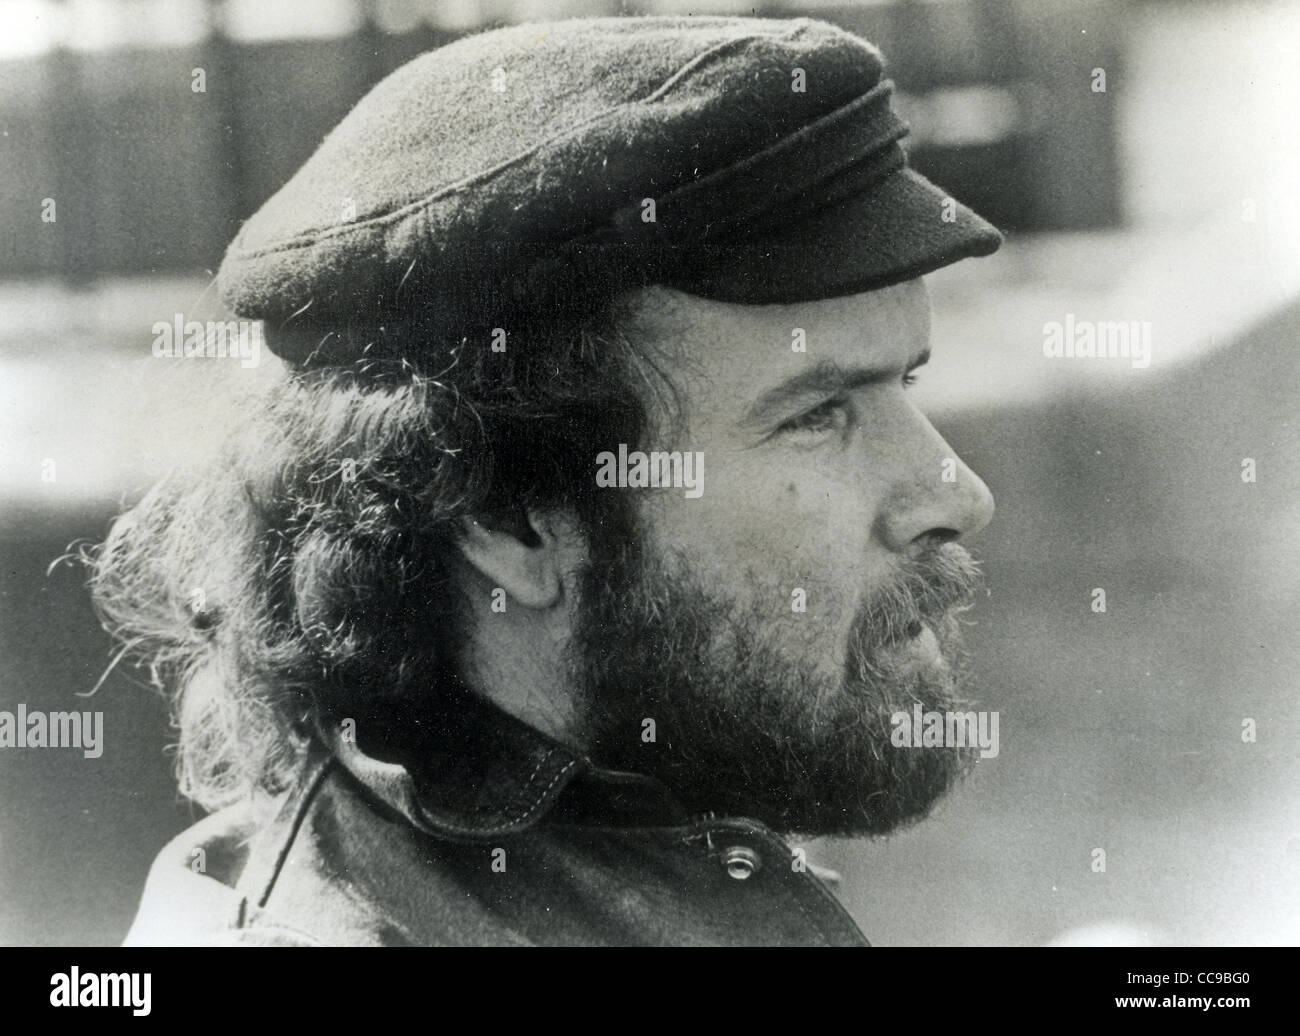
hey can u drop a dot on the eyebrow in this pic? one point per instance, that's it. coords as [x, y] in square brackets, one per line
[826, 379]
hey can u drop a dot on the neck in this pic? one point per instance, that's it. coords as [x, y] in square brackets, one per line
[516, 659]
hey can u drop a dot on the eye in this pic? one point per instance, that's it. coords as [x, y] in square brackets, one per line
[830, 416]
[910, 379]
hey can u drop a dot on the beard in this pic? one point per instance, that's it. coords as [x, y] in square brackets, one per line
[751, 721]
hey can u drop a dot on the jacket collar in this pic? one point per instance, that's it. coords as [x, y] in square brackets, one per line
[481, 773]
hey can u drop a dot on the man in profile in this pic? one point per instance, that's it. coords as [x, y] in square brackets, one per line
[588, 540]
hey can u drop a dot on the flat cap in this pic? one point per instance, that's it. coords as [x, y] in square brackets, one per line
[534, 172]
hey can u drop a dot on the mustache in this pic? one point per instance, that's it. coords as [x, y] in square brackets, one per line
[929, 588]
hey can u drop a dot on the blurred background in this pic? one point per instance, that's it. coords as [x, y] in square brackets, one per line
[1163, 191]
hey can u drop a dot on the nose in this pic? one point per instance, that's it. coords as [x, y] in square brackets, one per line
[934, 497]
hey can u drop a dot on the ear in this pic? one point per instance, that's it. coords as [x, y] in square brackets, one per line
[528, 557]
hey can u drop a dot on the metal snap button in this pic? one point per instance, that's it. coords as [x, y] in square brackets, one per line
[741, 862]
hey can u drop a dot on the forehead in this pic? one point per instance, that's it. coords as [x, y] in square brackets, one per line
[740, 351]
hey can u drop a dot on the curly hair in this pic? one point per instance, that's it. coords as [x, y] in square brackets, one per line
[302, 572]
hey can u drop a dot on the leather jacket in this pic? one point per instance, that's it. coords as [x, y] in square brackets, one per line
[518, 841]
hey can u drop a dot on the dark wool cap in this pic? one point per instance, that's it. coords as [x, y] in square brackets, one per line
[530, 174]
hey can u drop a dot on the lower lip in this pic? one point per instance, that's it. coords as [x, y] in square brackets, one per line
[925, 645]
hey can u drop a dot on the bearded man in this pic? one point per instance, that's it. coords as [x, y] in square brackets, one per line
[587, 539]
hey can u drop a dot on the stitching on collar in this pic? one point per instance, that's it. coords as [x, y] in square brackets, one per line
[545, 791]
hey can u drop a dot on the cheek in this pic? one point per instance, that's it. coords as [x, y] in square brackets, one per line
[779, 532]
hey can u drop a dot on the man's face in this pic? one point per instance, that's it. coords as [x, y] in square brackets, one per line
[772, 626]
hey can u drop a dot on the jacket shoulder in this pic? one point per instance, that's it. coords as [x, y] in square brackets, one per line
[243, 877]
[190, 896]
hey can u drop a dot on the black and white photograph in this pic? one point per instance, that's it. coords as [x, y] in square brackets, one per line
[503, 473]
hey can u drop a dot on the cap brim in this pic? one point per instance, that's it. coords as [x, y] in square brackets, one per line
[902, 228]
